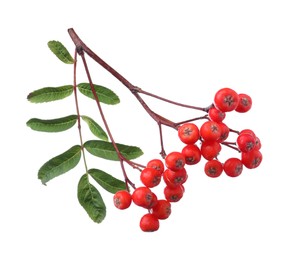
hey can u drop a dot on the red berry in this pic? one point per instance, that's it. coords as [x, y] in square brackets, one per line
[174, 194]
[210, 150]
[175, 178]
[246, 142]
[226, 99]
[122, 199]
[192, 154]
[144, 197]
[210, 131]
[244, 104]
[216, 115]
[257, 144]
[150, 177]
[157, 164]
[149, 223]
[251, 159]
[247, 131]
[224, 132]
[175, 161]
[233, 167]
[213, 168]
[188, 133]
[162, 209]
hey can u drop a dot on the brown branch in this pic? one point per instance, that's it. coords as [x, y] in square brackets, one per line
[82, 47]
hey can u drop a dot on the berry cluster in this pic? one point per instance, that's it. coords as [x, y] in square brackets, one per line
[200, 142]
[173, 174]
[214, 133]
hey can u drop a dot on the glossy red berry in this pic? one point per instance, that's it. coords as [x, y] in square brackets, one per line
[192, 154]
[233, 167]
[157, 164]
[150, 177]
[257, 144]
[210, 150]
[122, 199]
[188, 133]
[247, 131]
[175, 178]
[224, 132]
[149, 223]
[216, 115]
[244, 104]
[162, 209]
[246, 142]
[174, 194]
[175, 161]
[144, 197]
[213, 168]
[226, 99]
[251, 159]
[210, 131]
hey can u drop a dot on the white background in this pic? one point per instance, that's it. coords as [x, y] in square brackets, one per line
[182, 50]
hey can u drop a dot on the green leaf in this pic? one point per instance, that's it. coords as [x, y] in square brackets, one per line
[104, 94]
[95, 128]
[52, 125]
[108, 182]
[60, 51]
[60, 164]
[50, 94]
[107, 151]
[91, 200]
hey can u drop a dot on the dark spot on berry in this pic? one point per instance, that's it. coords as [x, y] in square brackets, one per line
[187, 131]
[229, 100]
[179, 164]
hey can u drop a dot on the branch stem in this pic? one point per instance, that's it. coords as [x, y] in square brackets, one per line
[172, 102]
[120, 156]
[81, 46]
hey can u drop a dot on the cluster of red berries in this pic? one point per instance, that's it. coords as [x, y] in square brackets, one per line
[173, 175]
[211, 135]
[214, 132]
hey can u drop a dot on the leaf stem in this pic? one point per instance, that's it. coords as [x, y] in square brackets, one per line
[77, 109]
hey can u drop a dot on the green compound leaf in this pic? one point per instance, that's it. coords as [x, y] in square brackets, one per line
[60, 164]
[106, 181]
[52, 125]
[91, 200]
[95, 128]
[60, 51]
[107, 151]
[50, 94]
[104, 94]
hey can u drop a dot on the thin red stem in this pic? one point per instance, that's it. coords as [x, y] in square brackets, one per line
[230, 146]
[192, 119]
[172, 102]
[162, 152]
[121, 158]
[234, 131]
